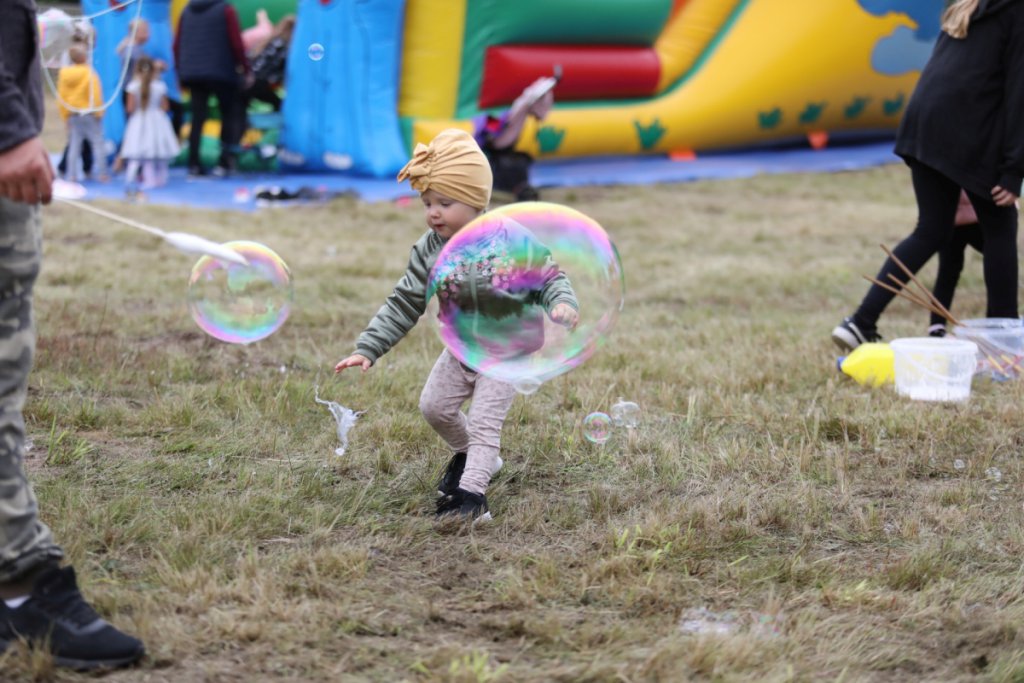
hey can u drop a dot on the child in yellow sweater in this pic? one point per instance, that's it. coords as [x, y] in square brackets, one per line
[80, 100]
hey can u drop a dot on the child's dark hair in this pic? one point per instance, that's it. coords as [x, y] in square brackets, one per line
[145, 70]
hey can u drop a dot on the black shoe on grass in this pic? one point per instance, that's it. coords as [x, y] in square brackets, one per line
[56, 617]
[465, 505]
[848, 336]
[452, 475]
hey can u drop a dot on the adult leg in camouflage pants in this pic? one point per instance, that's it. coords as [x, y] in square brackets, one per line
[25, 542]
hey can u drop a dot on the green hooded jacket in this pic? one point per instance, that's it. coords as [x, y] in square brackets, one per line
[403, 308]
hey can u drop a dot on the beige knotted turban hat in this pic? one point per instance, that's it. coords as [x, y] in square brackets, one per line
[453, 165]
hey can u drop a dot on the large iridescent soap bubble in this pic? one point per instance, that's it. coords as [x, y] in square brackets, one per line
[241, 303]
[496, 280]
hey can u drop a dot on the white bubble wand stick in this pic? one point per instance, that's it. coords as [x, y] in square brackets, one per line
[187, 242]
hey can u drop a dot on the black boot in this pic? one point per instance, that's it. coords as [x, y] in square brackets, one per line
[452, 475]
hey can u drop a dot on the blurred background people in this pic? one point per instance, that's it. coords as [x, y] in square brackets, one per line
[80, 101]
[211, 60]
[498, 135]
[149, 141]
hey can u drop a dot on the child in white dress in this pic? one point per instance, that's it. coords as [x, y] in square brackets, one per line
[149, 141]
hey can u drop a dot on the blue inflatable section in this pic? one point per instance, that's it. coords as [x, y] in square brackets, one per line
[111, 27]
[342, 73]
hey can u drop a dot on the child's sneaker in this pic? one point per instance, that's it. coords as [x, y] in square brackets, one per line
[465, 505]
[848, 336]
[453, 473]
[937, 330]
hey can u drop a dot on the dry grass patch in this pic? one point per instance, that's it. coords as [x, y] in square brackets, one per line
[194, 484]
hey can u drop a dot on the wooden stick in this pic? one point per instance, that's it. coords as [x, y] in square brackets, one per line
[902, 293]
[911, 296]
[934, 305]
[928, 293]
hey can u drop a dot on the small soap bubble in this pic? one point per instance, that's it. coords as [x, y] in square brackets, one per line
[316, 52]
[959, 464]
[238, 303]
[597, 427]
[625, 414]
[994, 474]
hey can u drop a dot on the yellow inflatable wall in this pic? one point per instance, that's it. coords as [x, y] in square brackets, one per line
[734, 73]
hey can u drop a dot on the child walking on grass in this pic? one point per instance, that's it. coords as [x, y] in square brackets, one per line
[454, 180]
[149, 141]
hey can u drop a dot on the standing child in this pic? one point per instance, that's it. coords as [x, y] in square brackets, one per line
[80, 101]
[454, 180]
[149, 140]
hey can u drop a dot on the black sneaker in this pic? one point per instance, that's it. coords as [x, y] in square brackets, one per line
[937, 330]
[58, 618]
[452, 475]
[848, 336]
[462, 503]
[196, 171]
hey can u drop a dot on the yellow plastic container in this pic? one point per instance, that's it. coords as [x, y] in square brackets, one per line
[871, 365]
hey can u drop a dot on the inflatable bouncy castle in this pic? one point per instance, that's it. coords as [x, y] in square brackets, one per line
[368, 79]
[639, 76]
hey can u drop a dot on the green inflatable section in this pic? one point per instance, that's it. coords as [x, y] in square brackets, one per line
[275, 10]
[558, 22]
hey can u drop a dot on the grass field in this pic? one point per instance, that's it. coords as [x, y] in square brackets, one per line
[193, 484]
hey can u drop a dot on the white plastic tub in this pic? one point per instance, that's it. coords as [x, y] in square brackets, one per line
[931, 369]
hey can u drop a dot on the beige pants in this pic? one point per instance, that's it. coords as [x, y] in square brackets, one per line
[477, 433]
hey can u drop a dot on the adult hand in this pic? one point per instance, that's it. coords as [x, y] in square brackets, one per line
[356, 359]
[26, 174]
[1003, 197]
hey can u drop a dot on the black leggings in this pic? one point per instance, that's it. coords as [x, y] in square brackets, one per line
[937, 199]
[951, 263]
[228, 100]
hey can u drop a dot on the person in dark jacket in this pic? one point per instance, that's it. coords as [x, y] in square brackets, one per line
[962, 129]
[39, 600]
[211, 60]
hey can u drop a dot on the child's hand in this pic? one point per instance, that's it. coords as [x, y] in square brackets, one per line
[565, 315]
[1002, 196]
[352, 361]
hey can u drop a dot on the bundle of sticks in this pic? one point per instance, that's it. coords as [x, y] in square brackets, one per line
[1000, 362]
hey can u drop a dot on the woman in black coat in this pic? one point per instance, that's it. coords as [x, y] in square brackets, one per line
[964, 127]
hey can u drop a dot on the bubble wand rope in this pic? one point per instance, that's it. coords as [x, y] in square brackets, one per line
[180, 240]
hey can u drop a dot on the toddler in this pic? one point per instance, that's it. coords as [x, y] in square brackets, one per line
[80, 101]
[454, 180]
[149, 141]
